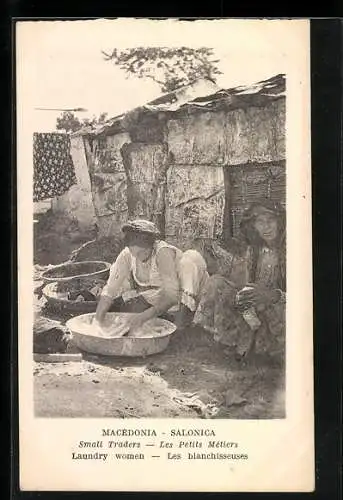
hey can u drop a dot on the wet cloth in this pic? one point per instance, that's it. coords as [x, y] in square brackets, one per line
[217, 311]
[53, 169]
[191, 271]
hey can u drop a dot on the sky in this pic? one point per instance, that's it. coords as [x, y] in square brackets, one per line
[60, 64]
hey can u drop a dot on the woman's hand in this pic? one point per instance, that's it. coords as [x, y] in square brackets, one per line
[257, 295]
[98, 328]
[134, 321]
[97, 323]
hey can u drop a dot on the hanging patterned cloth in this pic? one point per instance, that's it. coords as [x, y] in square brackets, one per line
[53, 169]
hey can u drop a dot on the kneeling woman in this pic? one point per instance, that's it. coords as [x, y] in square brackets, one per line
[152, 278]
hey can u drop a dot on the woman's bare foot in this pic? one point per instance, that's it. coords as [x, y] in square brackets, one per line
[185, 317]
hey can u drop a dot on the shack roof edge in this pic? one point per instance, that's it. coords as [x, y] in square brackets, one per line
[202, 95]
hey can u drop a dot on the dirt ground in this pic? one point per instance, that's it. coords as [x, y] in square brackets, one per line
[193, 377]
[55, 237]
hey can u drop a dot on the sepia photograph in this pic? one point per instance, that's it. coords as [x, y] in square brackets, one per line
[158, 169]
[159, 244]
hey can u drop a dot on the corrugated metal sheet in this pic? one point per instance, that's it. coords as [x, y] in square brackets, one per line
[257, 94]
[200, 95]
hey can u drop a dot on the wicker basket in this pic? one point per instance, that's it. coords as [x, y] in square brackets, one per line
[60, 303]
[77, 271]
[106, 249]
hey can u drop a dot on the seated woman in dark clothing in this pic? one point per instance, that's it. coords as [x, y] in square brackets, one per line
[243, 304]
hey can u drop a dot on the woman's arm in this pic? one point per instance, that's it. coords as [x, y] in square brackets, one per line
[102, 308]
[258, 294]
[119, 271]
[169, 292]
[170, 289]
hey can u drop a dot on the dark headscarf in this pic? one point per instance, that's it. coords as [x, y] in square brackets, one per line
[254, 241]
[141, 226]
[140, 232]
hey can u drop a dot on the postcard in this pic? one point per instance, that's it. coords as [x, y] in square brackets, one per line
[164, 255]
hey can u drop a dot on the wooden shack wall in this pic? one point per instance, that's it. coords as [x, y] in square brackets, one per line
[146, 169]
[203, 147]
[194, 201]
[108, 181]
[179, 179]
[235, 137]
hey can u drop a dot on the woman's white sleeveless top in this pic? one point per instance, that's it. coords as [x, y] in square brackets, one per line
[154, 281]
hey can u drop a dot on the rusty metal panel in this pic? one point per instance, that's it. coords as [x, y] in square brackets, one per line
[197, 139]
[254, 134]
[106, 154]
[146, 166]
[195, 202]
[110, 225]
[109, 193]
[108, 177]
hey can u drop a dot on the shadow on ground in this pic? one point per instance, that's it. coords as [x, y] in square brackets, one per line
[188, 380]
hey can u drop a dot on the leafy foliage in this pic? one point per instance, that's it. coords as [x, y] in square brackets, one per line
[70, 123]
[168, 67]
